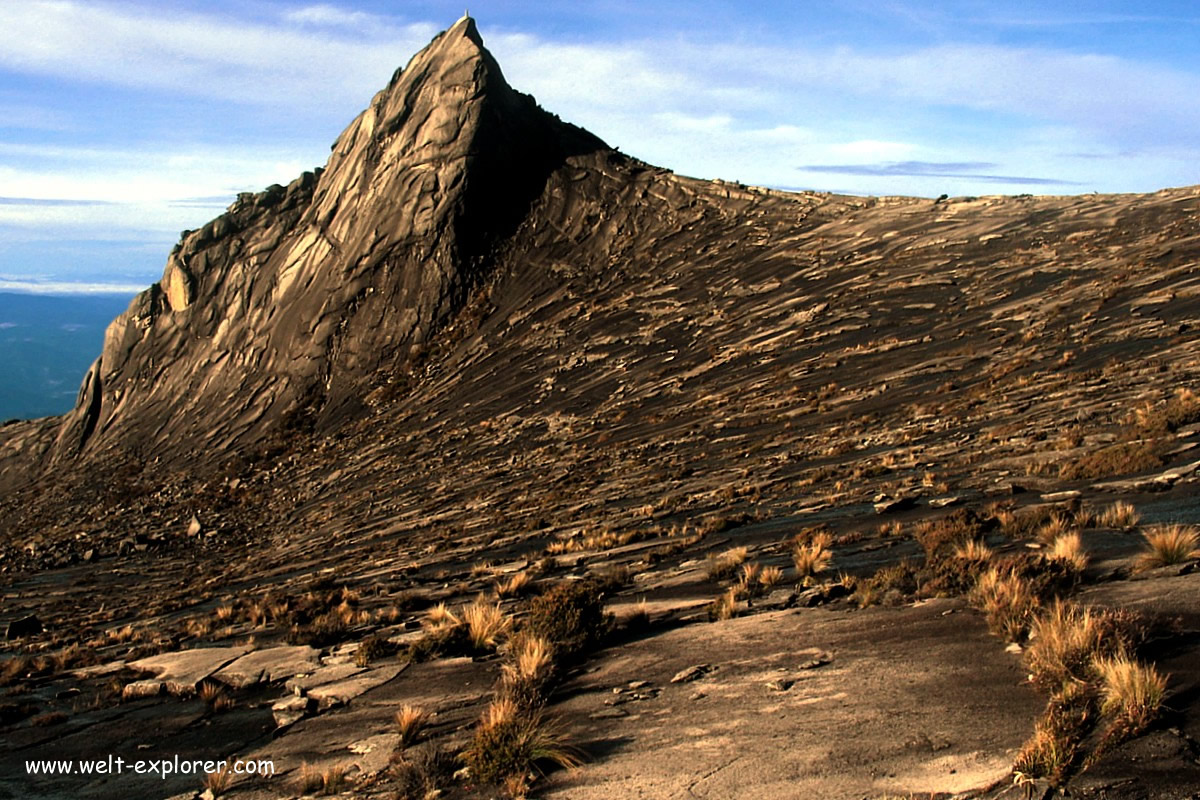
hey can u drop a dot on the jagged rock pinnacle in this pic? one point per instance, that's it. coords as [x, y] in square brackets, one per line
[292, 300]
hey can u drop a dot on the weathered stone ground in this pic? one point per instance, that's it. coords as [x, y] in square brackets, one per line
[831, 701]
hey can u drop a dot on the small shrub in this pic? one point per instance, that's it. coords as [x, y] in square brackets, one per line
[422, 774]
[325, 630]
[1182, 409]
[724, 606]
[939, 538]
[889, 584]
[570, 616]
[1118, 459]
[373, 648]
[1169, 544]
[48, 719]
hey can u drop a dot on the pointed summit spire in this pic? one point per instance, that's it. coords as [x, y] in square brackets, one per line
[297, 296]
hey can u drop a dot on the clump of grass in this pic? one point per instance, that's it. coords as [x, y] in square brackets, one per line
[1068, 549]
[15, 669]
[769, 577]
[410, 720]
[974, 550]
[327, 781]
[440, 618]
[486, 623]
[1118, 515]
[724, 606]
[749, 573]
[1058, 525]
[1169, 544]
[510, 741]
[725, 564]
[218, 781]
[1064, 641]
[213, 695]
[517, 585]
[1054, 747]
[1132, 693]
[813, 557]
[1007, 600]
[528, 671]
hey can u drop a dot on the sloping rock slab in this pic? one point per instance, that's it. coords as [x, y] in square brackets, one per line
[183, 670]
[273, 664]
[323, 675]
[341, 692]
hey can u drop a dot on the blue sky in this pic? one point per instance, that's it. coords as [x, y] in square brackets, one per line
[123, 122]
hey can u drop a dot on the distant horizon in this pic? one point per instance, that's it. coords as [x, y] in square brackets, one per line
[71, 288]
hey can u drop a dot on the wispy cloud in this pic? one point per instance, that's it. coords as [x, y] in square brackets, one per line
[323, 15]
[972, 170]
[66, 287]
[48, 201]
[283, 65]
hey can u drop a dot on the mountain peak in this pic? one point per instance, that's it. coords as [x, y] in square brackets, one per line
[294, 300]
[465, 27]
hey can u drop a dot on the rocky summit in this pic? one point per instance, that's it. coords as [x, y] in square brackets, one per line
[490, 461]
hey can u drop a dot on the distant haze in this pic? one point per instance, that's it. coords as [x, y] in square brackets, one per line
[47, 343]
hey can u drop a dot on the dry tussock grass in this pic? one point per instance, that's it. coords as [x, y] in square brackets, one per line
[1169, 544]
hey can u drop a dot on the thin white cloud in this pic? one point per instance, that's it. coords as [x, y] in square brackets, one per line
[67, 287]
[324, 15]
[196, 54]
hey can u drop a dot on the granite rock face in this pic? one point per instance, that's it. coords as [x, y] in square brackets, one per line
[286, 306]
